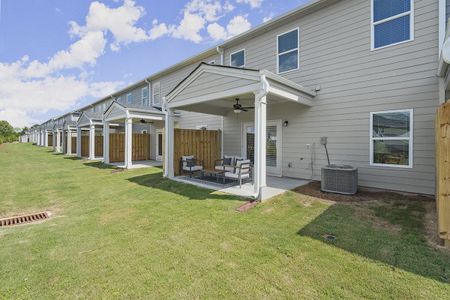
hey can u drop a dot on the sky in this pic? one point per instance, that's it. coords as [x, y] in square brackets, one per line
[58, 55]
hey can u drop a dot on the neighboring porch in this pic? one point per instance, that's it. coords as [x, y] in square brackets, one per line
[225, 91]
[89, 139]
[133, 135]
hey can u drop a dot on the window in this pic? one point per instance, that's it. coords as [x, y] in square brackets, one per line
[145, 96]
[391, 138]
[129, 98]
[288, 45]
[392, 22]
[237, 59]
[156, 93]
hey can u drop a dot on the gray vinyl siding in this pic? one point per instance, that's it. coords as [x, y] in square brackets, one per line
[188, 120]
[208, 83]
[335, 55]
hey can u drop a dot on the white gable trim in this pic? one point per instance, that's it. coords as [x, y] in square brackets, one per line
[230, 72]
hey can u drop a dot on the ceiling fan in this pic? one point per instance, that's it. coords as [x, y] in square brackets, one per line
[238, 108]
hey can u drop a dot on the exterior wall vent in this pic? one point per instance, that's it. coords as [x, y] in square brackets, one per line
[340, 179]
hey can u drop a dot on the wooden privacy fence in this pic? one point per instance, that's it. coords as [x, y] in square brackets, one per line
[203, 144]
[140, 147]
[50, 140]
[74, 144]
[84, 145]
[98, 146]
[443, 171]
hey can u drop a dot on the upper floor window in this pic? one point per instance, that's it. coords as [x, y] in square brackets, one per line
[392, 22]
[156, 93]
[288, 45]
[391, 138]
[144, 92]
[237, 59]
[129, 98]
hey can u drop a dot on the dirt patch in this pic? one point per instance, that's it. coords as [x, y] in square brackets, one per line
[313, 189]
[247, 206]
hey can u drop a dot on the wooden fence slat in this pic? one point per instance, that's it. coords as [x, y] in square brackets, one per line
[74, 145]
[443, 171]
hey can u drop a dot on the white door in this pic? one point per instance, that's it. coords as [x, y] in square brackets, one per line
[159, 145]
[273, 145]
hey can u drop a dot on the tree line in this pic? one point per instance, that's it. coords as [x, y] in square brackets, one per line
[8, 134]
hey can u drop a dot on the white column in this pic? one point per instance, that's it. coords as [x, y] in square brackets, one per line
[69, 142]
[169, 142]
[92, 142]
[128, 142]
[106, 142]
[46, 139]
[260, 144]
[63, 141]
[42, 138]
[58, 141]
[78, 141]
[54, 140]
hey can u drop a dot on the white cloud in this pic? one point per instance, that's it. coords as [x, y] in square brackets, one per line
[237, 25]
[217, 32]
[252, 3]
[120, 22]
[23, 97]
[197, 15]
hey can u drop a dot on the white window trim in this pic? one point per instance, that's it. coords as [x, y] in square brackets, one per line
[410, 138]
[156, 83]
[144, 102]
[245, 59]
[292, 50]
[129, 96]
[373, 24]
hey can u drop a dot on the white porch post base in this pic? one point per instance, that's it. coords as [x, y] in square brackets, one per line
[92, 142]
[260, 144]
[169, 144]
[128, 142]
[78, 141]
[106, 142]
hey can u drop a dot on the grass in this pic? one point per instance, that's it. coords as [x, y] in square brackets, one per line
[134, 234]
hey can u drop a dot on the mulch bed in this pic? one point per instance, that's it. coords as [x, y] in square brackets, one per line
[313, 189]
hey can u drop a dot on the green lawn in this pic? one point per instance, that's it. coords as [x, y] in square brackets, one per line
[133, 234]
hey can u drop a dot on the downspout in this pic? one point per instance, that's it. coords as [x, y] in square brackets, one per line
[221, 53]
[442, 27]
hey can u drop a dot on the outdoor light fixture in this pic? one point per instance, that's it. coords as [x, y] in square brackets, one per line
[237, 111]
[285, 123]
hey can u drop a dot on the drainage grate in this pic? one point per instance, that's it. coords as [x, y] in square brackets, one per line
[329, 237]
[17, 220]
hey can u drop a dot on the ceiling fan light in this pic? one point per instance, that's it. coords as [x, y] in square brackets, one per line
[237, 111]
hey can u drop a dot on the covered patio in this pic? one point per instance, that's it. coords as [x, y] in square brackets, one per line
[89, 136]
[221, 90]
[126, 133]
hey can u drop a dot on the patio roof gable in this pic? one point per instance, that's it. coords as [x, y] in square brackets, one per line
[214, 80]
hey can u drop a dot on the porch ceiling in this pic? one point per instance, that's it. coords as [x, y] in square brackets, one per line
[213, 89]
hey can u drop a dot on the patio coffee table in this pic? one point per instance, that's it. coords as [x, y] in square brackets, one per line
[218, 174]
